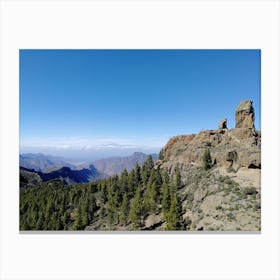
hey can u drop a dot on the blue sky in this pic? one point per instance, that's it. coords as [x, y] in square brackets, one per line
[92, 103]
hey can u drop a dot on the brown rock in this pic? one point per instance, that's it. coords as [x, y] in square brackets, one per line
[239, 147]
[244, 115]
[223, 124]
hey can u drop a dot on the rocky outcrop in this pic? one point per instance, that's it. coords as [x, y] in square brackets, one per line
[237, 147]
[223, 124]
[29, 178]
[226, 196]
[244, 115]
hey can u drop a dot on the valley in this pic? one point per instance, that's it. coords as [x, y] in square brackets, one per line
[69, 173]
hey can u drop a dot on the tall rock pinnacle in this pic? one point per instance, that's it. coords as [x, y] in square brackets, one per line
[244, 115]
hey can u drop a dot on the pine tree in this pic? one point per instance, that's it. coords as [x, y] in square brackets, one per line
[111, 208]
[66, 219]
[156, 177]
[124, 182]
[146, 202]
[153, 198]
[124, 210]
[206, 159]
[178, 179]
[85, 216]
[135, 214]
[78, 224]
[165, 177]
[146, 169]
[150, 205]
[59, 223]
[103, 194]
[160, 155]
[91, 205]
[49, 209]
[137, 171]
[156, 180]
[39, 223]
[165, 200]
[174, 218]
[131, 184]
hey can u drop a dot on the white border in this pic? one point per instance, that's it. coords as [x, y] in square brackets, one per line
[139, 24]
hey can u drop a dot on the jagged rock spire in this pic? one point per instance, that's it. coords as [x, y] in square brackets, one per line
[244, 115]
[223, 124]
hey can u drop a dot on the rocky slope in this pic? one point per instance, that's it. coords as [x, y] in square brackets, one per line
[227, 195]
[29, 178]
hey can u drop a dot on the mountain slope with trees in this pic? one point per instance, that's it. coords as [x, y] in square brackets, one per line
[65, 174]
[131, 201]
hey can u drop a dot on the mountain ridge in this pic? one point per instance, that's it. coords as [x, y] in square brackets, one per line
[42, 162]
[82, 173]
[64, 174]
[115, 165]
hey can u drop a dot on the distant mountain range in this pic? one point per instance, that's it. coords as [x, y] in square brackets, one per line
[36, 168]
[41, 162]
[64, 174]
[115, 165]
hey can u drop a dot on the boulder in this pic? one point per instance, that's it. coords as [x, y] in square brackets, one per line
[244, 115]
[223, 124]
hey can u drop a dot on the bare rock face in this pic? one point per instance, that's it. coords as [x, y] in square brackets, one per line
[238, 147]
[223, 124]
[244, 115]
[235, 148]
[228, 195]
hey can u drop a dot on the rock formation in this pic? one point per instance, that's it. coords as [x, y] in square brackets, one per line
[223, 124]
[238, 147]
[227, 196]
[243, 143]
[244, 115]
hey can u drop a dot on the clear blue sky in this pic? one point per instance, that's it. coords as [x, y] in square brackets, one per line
[126, 100]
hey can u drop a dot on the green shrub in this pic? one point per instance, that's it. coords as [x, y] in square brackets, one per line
[207, 144]
[231, 216]
[250, 191]
[257, 206]
[206, 160]
[221, 179]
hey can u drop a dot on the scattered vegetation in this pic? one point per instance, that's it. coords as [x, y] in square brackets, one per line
[207, 144]
[206, 159]
[160, 155]
[250, 191]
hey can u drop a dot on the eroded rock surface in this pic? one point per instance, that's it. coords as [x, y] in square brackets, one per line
[245, 115]
[223, 124]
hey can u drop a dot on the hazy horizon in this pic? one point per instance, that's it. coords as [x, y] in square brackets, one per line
[79, 156]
